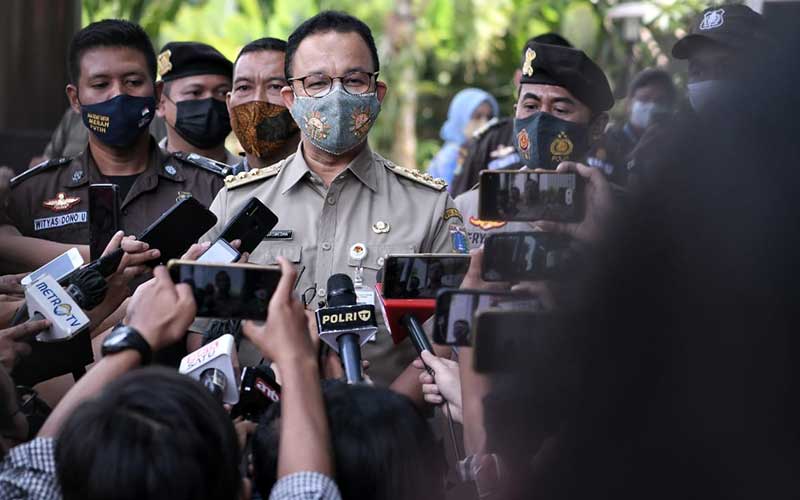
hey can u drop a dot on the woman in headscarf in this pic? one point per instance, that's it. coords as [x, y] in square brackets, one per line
[470, 109]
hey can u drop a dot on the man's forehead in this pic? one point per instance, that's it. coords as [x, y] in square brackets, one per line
[112, 60]
[543, 91]
[331, 50]
[252, 63]
[206, 81]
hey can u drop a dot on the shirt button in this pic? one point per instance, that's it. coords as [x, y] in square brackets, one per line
[321, 292]
[125, 212]
[326, 246]
[331, 200]
[380, 261]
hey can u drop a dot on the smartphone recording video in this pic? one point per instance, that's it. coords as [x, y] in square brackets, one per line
[177, 229]
[525, 256]
[456, 310]
[228, 291]
[499, 336]
[421, 276]
[524, 195]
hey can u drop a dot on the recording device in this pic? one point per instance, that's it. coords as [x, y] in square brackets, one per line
[525, 256]
[58, 268]
[499, 336]
[456, 309]
[220, 252]
[421, 276]
[46, 299]
[258, 391]
[215, 366]
[253, 222]
[527, 195]
[228, 291]
[345, 325]
[177, 229]
[103, 216]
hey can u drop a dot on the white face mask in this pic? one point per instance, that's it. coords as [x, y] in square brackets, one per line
[703, 95]
[643, 113]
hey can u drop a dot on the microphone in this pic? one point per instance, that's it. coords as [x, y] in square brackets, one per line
[345, 325]
[215, 365]
[259, 390]
[46, 299]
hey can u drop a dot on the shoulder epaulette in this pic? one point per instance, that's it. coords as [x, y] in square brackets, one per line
[256, 174]
[213, 166]
[485, 127]
[45, 165]
[415, 175]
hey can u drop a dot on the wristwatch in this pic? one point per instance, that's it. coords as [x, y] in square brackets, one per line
[125, 337]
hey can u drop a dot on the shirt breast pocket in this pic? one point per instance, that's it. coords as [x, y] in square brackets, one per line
[376, 255]
[268, 253]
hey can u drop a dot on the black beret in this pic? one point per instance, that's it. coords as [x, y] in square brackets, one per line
[180, 59]
[733, 26]
[569, 68]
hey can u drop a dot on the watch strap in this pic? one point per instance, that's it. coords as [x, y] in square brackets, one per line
[132, 340]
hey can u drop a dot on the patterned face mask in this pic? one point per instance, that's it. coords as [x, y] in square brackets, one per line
[544, 141]
[261, 127]
[337, 122]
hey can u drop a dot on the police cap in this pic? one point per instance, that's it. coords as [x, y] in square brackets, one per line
[733, 26]
[569, 68]
[181, 59]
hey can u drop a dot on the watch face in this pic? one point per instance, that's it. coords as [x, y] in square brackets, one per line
[116, 338]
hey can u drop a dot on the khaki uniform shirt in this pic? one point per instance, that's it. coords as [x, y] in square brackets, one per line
[478, 229]
[51, 202]
[387, 208]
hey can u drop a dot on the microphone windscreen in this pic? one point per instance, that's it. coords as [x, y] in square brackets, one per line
[341, 291]
[91, 285]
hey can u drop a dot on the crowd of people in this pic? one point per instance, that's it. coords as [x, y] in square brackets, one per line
[656, 361]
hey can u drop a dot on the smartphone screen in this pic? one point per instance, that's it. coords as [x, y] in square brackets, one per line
[499, 336]
[251, 225]
[177, 229]
[524, 195]
[103, 217]
[456, 309]
[422, 276]
[220, 252]
[57, 268]
[523, 256]
[228, 291]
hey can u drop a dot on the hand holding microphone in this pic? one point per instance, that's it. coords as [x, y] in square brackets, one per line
[444, 385]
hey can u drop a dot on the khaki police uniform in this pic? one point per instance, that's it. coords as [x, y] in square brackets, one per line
[387, 208]
[50, 201]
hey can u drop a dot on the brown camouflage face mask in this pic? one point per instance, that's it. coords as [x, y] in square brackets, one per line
[261, 127]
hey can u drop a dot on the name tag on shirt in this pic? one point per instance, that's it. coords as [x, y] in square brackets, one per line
[279, 234]
[59, 220]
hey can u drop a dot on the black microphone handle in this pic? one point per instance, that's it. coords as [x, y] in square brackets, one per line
[417, 334]
[350, 354]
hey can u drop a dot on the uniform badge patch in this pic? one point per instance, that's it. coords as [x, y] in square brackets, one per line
[381, 227]
[164, 64]
[527, 66]
[458, 237]
[452, 213]
[169, 169]
[59, 220]
[61, 202]
[561, 147]
[713, 19]
[183, 195]
[486, 225]
[77, 175]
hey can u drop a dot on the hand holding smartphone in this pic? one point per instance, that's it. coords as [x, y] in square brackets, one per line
[177, 229]
[527, 195]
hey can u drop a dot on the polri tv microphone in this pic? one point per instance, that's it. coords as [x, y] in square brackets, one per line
[214, 365]
[345, 325]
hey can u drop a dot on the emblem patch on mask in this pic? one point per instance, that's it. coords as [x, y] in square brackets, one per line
[561, 147]
[713, 19]
[524, 143]
[486, 225]
[61, 202]
[527, 66]
[316, 126]
[98, 123]
[361, 121]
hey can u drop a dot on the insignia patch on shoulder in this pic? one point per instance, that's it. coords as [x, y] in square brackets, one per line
[41, 167]
[452, 213]
[458, 237]
[256, 174]
[415, 175]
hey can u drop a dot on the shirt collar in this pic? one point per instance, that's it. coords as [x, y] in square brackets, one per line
[296, 169]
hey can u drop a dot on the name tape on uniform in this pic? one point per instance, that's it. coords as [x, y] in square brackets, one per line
[60, 220]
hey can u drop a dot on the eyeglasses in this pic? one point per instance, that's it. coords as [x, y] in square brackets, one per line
[354, 83]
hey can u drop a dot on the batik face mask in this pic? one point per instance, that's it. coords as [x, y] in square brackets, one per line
[337, 122]
[544, 141]
[119, 120]
[262, 128]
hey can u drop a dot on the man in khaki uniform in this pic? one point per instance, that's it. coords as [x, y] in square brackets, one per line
[572, 95]
[335, 192]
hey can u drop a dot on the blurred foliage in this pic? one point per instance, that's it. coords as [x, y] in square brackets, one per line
[430, 49]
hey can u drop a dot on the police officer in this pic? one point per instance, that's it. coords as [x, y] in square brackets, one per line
[259, 117]
[342, 208]
[112, 84]
[492, 146]
[563, 96]
[196, 80]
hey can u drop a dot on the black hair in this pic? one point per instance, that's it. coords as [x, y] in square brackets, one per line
[326, 21]
[151, 434]
[382, 444]
[551, 39]
[653, 76]
[109, 33]
[262, 44]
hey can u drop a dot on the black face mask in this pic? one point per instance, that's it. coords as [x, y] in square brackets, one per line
[204, 123]
[544, 141]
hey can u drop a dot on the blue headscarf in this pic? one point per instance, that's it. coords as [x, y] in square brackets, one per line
[462, 106]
